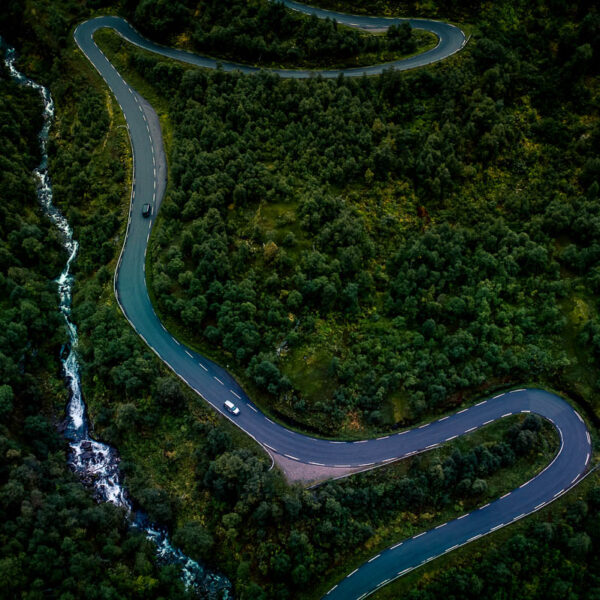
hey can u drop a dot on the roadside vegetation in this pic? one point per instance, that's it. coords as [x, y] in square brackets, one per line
[550, 555]
[267, 34]
[458, 10]
[363, 254]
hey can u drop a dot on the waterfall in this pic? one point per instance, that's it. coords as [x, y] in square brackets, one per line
[97, 464]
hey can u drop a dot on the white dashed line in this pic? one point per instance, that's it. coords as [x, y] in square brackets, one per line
[451, 438]
[251, 407]
[460, 412]
[385, 437]
[189, 353]
[203, 366]
[480, 403]
[506, 415]
[238, 397]
[396, 546]
[505, 496]
[471, 429]
[443, 418]
[214, 377]
[419, 535]
[442, 525]
[542, 504]
[374, 558]
[355, 570]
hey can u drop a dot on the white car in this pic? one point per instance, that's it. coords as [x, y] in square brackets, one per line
[231, 407]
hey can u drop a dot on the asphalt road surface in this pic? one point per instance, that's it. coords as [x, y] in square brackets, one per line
[216, 385]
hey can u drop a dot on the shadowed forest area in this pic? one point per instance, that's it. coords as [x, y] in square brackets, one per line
[361, 253]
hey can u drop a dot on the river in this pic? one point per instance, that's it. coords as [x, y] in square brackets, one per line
[97, 464]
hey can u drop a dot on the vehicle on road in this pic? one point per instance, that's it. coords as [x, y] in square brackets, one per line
[231, 407]
[146, 210]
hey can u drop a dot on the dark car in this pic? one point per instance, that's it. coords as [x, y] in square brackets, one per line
[146, 210]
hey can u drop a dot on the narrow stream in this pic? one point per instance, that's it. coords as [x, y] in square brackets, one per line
[97, 464]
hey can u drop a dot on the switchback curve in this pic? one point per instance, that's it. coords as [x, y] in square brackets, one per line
[215, 384]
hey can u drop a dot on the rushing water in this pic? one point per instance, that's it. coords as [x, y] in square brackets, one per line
[97, 464]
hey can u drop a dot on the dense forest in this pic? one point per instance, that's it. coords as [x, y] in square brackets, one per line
[53, 535]
[406, 241]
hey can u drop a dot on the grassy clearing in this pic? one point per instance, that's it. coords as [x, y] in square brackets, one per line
[582, 373]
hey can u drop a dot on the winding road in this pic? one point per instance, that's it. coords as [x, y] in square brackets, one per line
[215, 384]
